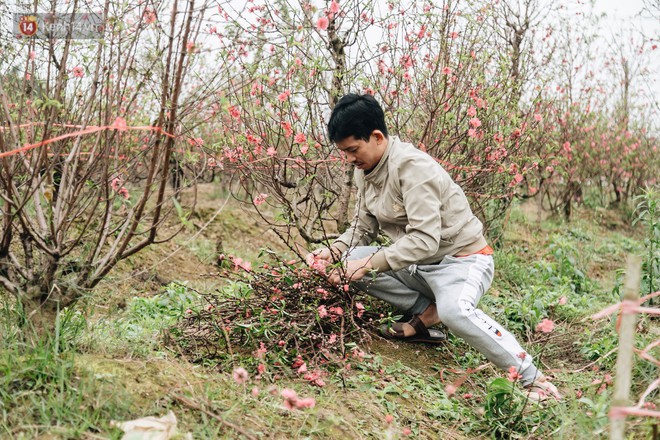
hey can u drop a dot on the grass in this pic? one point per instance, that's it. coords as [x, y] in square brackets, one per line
[106, 360]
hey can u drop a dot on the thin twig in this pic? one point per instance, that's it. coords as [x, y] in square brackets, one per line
[594, 362]
[196, 406]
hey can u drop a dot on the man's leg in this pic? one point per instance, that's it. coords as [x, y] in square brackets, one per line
[458, 284]
[403, 289]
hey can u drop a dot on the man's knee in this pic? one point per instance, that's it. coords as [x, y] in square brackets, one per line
[453, 312]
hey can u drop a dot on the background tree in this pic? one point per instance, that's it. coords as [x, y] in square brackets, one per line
[82, 187]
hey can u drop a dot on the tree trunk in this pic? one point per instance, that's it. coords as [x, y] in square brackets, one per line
[336, 47]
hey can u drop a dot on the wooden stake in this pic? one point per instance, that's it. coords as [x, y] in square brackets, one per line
[624, 361]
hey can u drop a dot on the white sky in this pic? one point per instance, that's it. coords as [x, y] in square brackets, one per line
[622, 14]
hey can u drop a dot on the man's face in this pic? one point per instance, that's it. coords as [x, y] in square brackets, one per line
[364, 154]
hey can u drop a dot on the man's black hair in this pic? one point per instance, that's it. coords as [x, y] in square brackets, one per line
[356, 115]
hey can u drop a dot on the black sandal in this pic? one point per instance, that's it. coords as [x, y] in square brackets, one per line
[422, 334]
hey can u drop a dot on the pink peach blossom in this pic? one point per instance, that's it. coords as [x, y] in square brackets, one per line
[234, 112]
[319, 265]
[78, 72]
[260, 199]
[322, 23]
[240, 375]
[513, 375]
[120, 124]
[115, 184]
[211, 162]
[284, 96]
[307, 402]
[545, 326]
[288, 393]
[290, 398]
[149, 16]
[124, 193]
[240, 263]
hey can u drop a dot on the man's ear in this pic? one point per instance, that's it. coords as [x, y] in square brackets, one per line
[379, 135]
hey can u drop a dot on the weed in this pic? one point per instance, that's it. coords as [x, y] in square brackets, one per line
[44, 391]
[599, 345]
[205, 250]
[137, 331]
[567, 267]
[648, 212]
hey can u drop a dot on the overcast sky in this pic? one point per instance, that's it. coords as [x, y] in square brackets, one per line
[628, 13]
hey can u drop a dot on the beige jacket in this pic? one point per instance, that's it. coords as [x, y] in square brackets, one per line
[414, 201]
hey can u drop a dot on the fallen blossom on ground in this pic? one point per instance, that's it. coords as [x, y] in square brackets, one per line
[240, 375]
[545, 326]
[292, 401]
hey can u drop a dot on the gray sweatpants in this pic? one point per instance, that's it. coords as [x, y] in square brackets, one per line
[455, 285]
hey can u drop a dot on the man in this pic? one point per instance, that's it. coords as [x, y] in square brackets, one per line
[439, 263]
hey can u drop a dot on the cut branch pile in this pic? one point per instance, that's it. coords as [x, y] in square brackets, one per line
[279, 315]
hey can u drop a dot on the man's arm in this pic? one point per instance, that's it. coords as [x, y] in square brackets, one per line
[363, 230]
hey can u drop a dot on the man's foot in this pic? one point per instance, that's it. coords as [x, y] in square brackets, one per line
[416, 332]
[428, 317]
[542, 390]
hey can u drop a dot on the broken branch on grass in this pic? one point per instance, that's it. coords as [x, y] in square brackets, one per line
[196, 406]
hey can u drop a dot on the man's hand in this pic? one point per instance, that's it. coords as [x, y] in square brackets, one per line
[319, 254]
[352, 270]
[321, 258]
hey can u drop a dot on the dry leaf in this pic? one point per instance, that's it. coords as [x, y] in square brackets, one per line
[148, 428]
